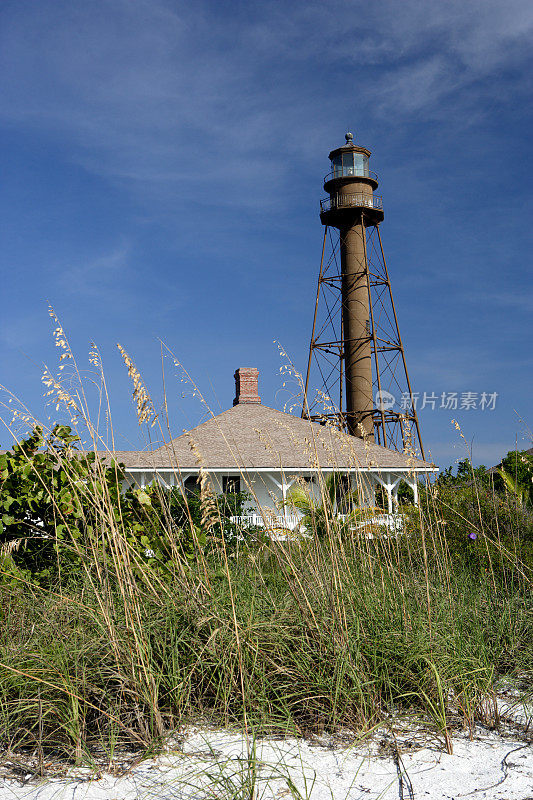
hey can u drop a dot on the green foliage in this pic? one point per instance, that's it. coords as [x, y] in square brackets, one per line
[39, 496]
[405, 494]
[127, 612]
[140, 613]
[484, 527]
[516, 472]
[189, 509]
[334, 497]
[55, 500]
[294, 638]
[464, 476]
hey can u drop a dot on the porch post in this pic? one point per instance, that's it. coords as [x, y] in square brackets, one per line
[388, 489]
[391, 487]
[413, 484]
[283, 486]
[394, 495]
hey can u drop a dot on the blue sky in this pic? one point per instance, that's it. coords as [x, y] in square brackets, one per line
[162, 171]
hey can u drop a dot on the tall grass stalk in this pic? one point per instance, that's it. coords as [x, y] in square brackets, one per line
[335, 629]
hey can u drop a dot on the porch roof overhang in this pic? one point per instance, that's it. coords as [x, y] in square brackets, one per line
[286, 470]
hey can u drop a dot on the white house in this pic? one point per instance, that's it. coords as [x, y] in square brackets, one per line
[257, 449]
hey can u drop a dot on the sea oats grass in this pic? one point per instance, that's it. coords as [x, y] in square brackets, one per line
[344, 627]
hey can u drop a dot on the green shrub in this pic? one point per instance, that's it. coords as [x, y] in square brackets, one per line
[56, 501]
[483, 527]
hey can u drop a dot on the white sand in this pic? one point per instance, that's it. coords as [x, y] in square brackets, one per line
[214, 764]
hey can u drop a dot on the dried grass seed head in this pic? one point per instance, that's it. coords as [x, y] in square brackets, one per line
[144, 405]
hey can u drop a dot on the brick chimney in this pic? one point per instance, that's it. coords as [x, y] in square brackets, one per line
[246, 386]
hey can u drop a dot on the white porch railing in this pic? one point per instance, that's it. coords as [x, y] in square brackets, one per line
[290, 521]
[393, 522]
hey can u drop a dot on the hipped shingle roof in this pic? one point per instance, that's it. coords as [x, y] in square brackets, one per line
[254, 436]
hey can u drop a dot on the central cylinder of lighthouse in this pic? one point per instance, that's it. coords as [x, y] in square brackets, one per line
[356, 327]
[352, 207]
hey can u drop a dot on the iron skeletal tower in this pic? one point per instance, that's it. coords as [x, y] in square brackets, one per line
[356, 347]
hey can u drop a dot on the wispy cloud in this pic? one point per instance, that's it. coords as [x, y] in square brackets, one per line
[149, 91]
[505, 299]
[93, 277]
[193, 137]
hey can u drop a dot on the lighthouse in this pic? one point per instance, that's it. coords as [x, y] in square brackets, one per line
[352, 207]
[356, 344]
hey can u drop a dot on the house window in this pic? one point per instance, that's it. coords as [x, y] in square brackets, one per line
[190, 485]
[231, 484]
[342, 493]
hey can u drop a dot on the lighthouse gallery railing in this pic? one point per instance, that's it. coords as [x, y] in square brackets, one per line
[357, 200]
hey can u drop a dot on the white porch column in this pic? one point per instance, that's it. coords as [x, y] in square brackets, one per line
[391, 487]
[388, 489]
[413, 484]
[284, 486]
[394, 495]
